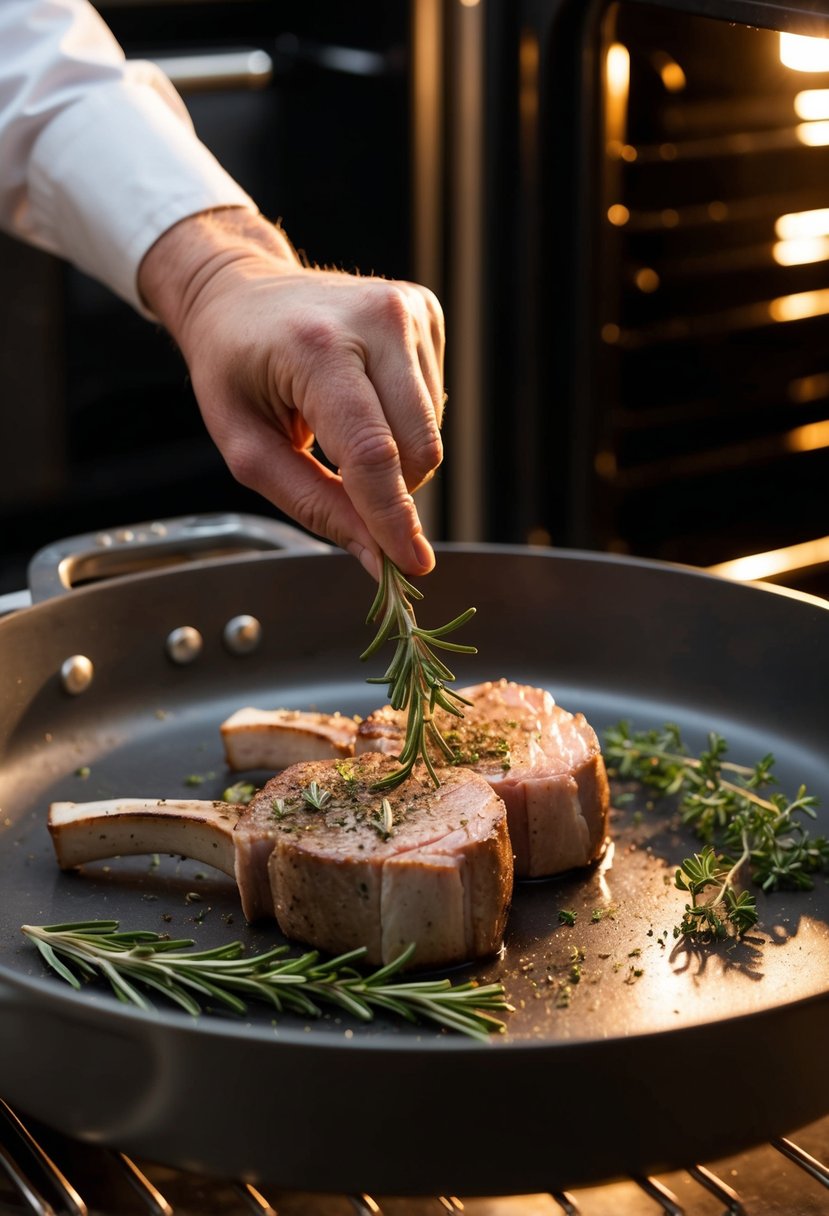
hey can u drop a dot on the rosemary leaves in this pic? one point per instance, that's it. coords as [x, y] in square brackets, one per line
[226, 977]
[742, 829]
[416, 677]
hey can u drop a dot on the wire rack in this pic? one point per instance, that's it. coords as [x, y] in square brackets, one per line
[46, 1173]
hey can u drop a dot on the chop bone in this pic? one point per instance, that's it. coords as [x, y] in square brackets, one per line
[339, 866]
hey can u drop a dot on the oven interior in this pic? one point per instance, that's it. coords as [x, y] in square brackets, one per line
[653, 354]
[712, 324]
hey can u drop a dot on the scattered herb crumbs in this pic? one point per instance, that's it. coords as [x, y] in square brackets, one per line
[599, 914]
[155, 862]
[83, 771]
[200, 874]
[564, 996]
[241, 793]
[566, 916]
[635, 953]
[198, 778]
[192, 897]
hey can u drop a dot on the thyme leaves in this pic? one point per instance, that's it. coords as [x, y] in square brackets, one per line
[136, 961]
[745, 826]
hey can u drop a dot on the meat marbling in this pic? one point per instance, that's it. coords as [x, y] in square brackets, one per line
[545, 763]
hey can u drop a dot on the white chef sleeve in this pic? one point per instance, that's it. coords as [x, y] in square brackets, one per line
[98, 156]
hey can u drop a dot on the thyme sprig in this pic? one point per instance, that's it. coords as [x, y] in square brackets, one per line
[416, 677]
[226, 977]
[742, 827]
[724, 912]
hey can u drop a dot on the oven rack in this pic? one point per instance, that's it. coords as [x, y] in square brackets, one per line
[45, 1173]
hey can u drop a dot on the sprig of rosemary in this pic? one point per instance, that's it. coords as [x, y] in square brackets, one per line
[740, 826]
[227, 977]
[416, 676]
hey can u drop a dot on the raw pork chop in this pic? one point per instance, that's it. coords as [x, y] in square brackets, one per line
[424, 865]
[544, 762]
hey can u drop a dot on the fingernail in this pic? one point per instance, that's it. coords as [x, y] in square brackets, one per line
[366, 559]
[422, 550]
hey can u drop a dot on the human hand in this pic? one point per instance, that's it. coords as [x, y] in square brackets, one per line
[281, 354]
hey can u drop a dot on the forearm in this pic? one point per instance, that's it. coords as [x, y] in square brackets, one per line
[99, 155]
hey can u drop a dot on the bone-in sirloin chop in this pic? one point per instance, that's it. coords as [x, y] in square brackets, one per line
[545, 763]
[338, 864]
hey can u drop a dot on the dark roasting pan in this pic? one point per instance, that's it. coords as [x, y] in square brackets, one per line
[658, 1047]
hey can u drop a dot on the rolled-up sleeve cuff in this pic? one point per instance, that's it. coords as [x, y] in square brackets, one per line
[113, 172]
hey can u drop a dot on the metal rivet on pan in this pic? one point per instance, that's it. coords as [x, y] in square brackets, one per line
[242, 634]
[76, 674]
[184, 644]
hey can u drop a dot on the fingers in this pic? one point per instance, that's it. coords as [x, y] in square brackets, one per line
[355, 363]
[262, 457]
[357, 438]
[404, 363]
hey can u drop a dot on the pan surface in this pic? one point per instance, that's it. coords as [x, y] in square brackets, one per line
[620, 1071]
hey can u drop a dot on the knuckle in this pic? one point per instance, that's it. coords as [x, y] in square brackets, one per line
[316, 334]
[423, 460]
[371, 448]
[390, 305]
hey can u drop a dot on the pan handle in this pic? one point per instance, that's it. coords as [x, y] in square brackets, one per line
[95, 556]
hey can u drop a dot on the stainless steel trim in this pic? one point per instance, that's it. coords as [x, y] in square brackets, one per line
[466, 288]
[247, 68]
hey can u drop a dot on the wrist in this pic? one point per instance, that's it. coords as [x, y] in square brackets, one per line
[176, 270]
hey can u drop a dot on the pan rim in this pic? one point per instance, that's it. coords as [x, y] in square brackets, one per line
[104, 1007]
[537, 552]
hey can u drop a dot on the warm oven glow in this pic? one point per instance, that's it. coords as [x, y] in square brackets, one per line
[803, 237]
[801, 252]
[813, 134]
[775, 561]
[812, 104]
[802, 225]
[803, 54]
[618, 90]
[800, 306]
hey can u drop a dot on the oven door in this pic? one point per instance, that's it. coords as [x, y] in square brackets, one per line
[639, 360]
